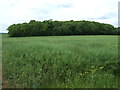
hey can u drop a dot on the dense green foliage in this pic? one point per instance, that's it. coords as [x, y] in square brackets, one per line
[59, 28]
[61, 62]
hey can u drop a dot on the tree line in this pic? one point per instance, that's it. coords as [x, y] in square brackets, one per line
[61, 28]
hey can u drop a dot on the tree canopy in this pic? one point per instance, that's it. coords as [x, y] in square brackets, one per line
[60, 28]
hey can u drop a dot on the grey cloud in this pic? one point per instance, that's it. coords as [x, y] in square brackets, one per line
[3, 28]
[64, 6]
[50, 8]
[106, 16]
[40, 11]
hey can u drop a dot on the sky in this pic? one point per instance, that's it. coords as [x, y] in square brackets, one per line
[19, 11]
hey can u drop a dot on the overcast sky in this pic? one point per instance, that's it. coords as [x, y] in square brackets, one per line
[19, 11]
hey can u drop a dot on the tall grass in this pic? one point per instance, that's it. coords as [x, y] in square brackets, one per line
[61, 61]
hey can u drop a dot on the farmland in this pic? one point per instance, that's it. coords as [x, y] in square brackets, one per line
[60, 61]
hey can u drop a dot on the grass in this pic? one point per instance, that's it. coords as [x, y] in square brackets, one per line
[61, 61]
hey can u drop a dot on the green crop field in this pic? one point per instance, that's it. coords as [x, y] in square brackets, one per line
[60, 61]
